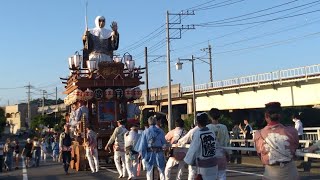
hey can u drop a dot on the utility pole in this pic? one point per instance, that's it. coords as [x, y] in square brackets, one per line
[170, 119]
[29, 109]
[43, 93]
[210, 61]
[55, 113]
[147, 75]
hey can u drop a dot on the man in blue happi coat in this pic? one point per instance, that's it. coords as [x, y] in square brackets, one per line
[151, 148]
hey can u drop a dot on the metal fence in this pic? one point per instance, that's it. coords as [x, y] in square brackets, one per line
[300, 72]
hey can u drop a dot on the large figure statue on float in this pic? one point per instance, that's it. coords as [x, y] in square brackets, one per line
[99, 42]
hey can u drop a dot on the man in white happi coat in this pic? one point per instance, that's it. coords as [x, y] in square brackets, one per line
[172, 137]
[202, 150]
[118, 139]
[91, 150]
[186, 140]
[130, 140]
[223, 140]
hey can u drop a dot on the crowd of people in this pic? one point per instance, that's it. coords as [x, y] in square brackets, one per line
[137, 149]
[34, 151]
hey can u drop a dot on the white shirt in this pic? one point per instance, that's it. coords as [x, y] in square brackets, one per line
[299, 127]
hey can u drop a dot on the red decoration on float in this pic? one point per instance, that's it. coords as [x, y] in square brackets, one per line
[109, 93]
[78, 94]
[137, 93]
[128, 93]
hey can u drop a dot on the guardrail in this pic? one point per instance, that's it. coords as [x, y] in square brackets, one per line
[310, 133]
[306, 143]
[300, 72]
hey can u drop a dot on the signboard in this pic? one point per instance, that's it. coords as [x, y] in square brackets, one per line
[106, 111]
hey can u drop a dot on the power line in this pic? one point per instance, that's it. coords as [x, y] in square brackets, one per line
[238, 31]
[267, 34]
[276, 43]
[8, 88]
[218, 5]
[269, 20]
[255, 12]
[268, 14]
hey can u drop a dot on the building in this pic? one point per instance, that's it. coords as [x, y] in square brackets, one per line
[17, 116]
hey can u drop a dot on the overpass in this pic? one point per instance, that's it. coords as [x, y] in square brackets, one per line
[291, 87]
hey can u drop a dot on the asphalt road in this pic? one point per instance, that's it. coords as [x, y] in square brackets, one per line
[54, 171]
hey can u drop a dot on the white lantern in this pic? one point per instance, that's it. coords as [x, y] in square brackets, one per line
[92, 65]
[71, 62]
[128, 93]
[117, 59]
[127, 58]
[88, 94]
[109, 93]
[137, 93]
[77, 58]
[130, 65]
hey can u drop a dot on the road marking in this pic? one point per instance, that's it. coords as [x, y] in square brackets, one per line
[24, 169]
[248, 173]
[113, 171]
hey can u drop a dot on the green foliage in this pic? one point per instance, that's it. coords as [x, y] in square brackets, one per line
[49, 121]
[226, 120]
[188, 122]
[2, 120]
[47, 102]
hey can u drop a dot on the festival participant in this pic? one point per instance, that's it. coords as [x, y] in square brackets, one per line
[151, 148]
[202, 151]
[16, 153]
[44, 150]
[91, 150]
[1, 156]
[276, 145]
[247, 132]
[186, 140]
[65, 147]
[82, 110]
[100, 42]
[172, 137]
[118, 139]
[223, 140]
[8, 151]
[130, 139]
[72, 119]
[298, 124]
[36, 148]
[27, 152]
[55, 149]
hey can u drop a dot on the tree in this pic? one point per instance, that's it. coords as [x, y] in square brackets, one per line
[2, 120]
[38, 122]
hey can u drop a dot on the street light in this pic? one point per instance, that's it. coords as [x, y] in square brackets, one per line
[179, 67]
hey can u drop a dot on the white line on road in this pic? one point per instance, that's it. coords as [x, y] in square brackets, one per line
[113, 171]
[241, 172]
[24, 169]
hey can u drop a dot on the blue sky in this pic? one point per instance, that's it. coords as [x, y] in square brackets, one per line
[38, 36]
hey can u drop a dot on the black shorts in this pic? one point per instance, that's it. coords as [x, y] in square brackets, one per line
[29, 154]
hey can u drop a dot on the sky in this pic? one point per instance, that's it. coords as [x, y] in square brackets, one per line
[247, 37]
